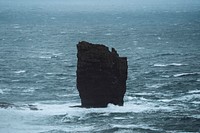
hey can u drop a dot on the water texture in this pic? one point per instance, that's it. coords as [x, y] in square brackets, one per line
[38, 65]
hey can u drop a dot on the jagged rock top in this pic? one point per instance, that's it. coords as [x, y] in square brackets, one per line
[87, 45]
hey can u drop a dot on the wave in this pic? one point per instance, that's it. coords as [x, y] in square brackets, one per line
[196, 116]
[155, 85]
[63, 33]
[16, 27]
[194, 91]
[119, 118]
[190, 97]
[83, 32]
[171, 64]
[6, 105]
[196, 102]
[20, 71]
[62, 113]
[186, 74]
[165, 100]
[108, 34]
[70, 111]
[133, 126]
[29, 90]
[165, 76]
[69, 129]
[167, 54]
[1, 91]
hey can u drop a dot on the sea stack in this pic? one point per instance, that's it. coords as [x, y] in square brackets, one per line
[101, 75]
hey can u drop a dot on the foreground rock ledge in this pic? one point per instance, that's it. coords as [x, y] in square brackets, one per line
[101, 75]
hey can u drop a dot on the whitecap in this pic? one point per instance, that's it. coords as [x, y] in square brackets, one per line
[165, 100]
[108, 34]
[143, 99]
[119, 118]
[15, 80]
[194, 91]
[140, 48]
[53, 18]
[57, 54]
[12, 116]
[71, 112]
[198, 80]
[50, 73]
[189, 97]
[1, 91]
[129, 98]
[83, 32]
[159, 65]
[133, 126]
[144, 94]
[186, 74]
[165, 76]
[196, 116]
[29, 90]
[16, 27]
[63, 32]
[20, 71]
[177, 64]
[155, 85]
[50, 109]
[196, 102]
[159, 38]
[171, 64]
[6, 90]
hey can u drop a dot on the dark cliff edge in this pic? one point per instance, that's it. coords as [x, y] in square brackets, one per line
[101, 75]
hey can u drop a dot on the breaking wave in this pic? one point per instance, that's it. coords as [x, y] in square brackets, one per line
[186, 74]
[171, 64]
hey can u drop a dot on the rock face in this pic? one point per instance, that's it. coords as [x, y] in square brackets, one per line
[101, 75]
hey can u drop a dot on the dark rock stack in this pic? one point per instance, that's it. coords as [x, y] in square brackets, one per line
[101, 75]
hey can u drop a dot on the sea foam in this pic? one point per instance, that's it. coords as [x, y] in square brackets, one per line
[186, 74]
[190, 97]
[69, 114]
[194, 91]
[1, 91]
[133, 126]
[60, 109]
[170, 64]
[20, 71]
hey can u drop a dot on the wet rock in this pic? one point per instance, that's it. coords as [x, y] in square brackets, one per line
[32, 107]
[101, 75]
[6, 105]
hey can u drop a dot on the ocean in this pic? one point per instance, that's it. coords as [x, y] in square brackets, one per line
[38, 63]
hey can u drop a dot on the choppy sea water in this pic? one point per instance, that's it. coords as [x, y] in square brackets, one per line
[38, 65]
